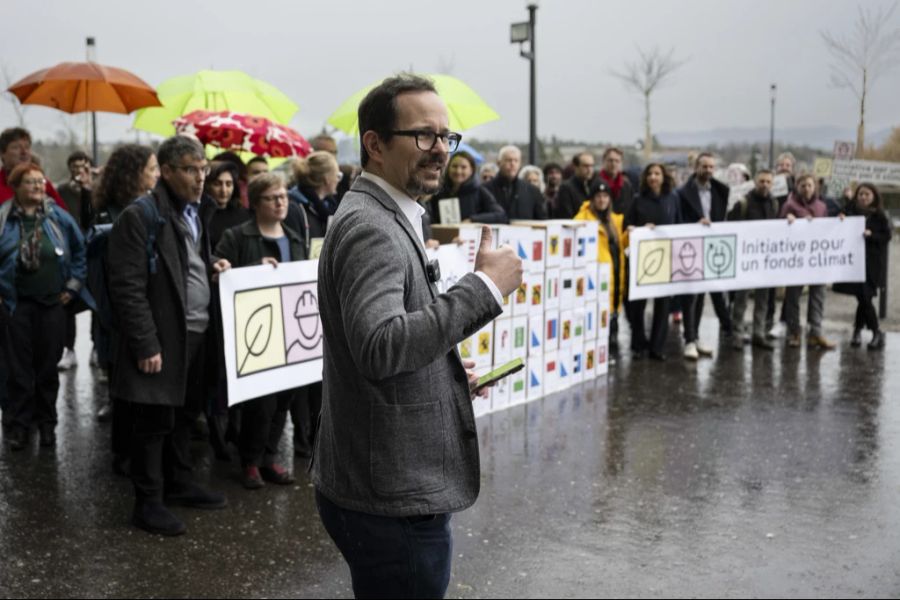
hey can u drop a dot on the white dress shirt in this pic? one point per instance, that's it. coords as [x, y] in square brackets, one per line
[413, 212]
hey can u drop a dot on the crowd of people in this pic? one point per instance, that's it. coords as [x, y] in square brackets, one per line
[142, 241]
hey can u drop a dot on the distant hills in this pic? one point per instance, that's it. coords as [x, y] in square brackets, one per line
[816, 137]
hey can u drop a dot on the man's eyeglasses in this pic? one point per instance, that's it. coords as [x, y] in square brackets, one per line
[193, 170]
[425, 139]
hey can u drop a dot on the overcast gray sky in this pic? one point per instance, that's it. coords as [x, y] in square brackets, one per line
[320, 52]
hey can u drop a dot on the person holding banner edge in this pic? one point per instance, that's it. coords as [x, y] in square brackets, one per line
[263, 240]
[866, 202]
[803, 202]
[703, 200]
[758, 205]
[655, 204]
[397, 450]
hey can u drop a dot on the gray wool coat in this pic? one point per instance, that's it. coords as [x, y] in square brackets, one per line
[397, 435]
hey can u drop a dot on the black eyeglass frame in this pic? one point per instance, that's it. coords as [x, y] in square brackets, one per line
[451, 138]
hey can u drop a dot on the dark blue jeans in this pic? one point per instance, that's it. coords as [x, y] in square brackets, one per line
[391, 557]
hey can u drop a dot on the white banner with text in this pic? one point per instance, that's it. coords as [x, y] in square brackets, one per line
[691, 259]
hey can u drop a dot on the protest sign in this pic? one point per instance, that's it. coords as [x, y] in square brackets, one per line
[272, 331]
[870, 171]
[690, 259]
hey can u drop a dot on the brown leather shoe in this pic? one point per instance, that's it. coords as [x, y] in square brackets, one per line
[818, 341]
[793, 341]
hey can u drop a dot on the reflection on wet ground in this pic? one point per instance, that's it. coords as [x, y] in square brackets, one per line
[762, 474]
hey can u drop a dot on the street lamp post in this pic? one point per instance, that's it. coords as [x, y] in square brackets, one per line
[521, 33]
[92, 57]
[773, 88]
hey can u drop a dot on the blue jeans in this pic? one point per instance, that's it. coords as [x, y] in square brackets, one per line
[391, 557]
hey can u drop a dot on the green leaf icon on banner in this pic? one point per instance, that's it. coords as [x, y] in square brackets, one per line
[651, 263]
[257, 333]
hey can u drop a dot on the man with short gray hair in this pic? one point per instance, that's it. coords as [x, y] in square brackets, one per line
[520, 199]
[158, 281]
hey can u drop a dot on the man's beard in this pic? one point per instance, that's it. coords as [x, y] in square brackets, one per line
[416, 186]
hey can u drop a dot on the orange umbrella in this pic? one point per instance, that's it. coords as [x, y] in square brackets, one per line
[85, 87]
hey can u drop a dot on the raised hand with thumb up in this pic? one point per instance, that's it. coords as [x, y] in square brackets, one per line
[502, 265]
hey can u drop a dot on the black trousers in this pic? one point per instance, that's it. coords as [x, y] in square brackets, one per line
[660, 327]
[34, 345]
[305, 415]
[866, 315]
[391, 557]
[161, 435]
[71, 331]
[692, 307]
[262, 425]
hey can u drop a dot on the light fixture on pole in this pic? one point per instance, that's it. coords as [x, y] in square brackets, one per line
[519, 34]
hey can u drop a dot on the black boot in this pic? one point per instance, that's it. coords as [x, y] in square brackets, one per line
[155, 518]
[877, 342]
[856, 340]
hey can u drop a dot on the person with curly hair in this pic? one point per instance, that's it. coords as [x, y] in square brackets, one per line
[131, 171]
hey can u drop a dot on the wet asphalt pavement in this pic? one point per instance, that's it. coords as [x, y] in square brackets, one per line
[757, 474]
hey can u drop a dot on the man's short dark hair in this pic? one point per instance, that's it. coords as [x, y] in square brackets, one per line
[765, 172]
[173, 149]
[576, 160]
[77, 156]
[613, 149]
[550, 167]
[378, 110]
[13, 134]
[703, 155]
[257, 159]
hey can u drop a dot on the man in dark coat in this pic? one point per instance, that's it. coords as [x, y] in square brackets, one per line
[704, 200]
[619, 184]
[575, 190]
[160, 298]
[759, 204]
[520, 199]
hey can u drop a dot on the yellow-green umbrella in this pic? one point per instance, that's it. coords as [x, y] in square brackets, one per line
[466, 108]
[214, 90]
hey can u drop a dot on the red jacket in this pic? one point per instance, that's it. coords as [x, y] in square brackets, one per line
[6, 191]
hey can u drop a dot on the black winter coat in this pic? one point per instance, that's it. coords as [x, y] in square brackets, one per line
[876, 244]
[149, 309]
[245, 246]
[520, 199]
[692, 208]
[476, 204]
[572, 194]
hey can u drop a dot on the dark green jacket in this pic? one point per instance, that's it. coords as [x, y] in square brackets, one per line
[244, 245]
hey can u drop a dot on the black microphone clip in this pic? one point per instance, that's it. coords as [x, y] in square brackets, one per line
[433, 268]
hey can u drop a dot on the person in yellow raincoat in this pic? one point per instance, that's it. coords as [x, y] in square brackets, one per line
[611, 243]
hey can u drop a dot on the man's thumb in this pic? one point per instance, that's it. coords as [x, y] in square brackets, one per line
[486, 239]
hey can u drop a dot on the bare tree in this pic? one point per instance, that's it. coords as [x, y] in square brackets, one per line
[871, 50]
[17, 106]
[645, 76]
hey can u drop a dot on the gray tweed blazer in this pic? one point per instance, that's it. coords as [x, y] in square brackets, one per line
[397, 434]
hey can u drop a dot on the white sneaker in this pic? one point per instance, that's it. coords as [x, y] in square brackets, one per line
[68, 360]
[704, 350]
[690, 351]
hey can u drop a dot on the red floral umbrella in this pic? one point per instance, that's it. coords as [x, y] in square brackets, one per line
[233, 131]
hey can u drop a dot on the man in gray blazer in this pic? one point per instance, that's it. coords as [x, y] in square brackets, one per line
[397, 450]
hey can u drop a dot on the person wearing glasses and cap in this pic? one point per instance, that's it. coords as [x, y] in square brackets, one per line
[160, 295]
[397, 448]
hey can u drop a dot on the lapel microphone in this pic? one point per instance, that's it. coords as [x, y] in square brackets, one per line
[433, 268]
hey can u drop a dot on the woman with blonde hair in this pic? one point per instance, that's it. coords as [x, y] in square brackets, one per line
[316, 180]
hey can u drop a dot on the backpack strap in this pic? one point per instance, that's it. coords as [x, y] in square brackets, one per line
[153, 221]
